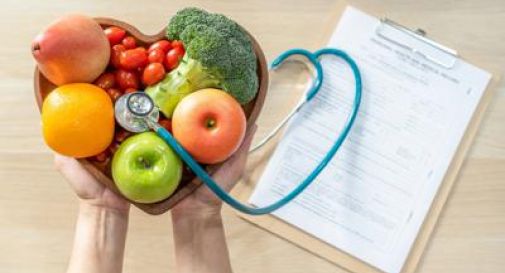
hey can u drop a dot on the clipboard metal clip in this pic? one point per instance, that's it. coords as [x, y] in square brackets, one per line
[428, 49]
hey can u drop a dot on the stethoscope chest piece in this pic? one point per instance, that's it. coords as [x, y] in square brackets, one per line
[133, 110]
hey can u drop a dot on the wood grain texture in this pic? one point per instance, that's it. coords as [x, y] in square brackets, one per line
[38, 209]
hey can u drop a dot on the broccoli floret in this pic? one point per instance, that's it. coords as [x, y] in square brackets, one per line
[184, 18]
[219, 54]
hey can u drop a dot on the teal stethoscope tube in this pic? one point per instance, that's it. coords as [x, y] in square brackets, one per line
[316, 86]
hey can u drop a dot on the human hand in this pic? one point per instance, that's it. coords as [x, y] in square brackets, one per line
[203, 202]
[197, 221]
[102, 221]
[88, 189]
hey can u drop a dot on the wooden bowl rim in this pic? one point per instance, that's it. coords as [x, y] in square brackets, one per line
[166, 204]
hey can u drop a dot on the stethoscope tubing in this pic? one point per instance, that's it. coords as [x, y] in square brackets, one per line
[309, 94]
[314, 59]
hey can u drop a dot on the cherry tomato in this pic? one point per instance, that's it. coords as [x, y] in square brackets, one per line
[162, 44]
[106, 81]
[139, 71]
[133, 58]
[114, 34]
[130, 90]
[121, 135]
[180, 50]
[127, 79]
[113, 147]
[114, 94]
[156, 55]
[153, 73]
[177, 44]
[129, 42]
[173, 57]
[102, 157]
[167, 124]
[171, 60]
[143, 49]
[114, 55]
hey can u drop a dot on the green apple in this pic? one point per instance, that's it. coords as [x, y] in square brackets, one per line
[145, 169]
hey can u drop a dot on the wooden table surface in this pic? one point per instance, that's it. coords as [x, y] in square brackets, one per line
[38, 209]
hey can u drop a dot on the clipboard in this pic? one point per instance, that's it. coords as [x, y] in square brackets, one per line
[259, 160]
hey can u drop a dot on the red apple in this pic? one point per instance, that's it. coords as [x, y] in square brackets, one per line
[209, 124]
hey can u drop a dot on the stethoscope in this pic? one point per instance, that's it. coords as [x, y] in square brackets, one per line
[136, 112]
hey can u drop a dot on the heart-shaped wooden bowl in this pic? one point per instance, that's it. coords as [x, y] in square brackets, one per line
[189, 183]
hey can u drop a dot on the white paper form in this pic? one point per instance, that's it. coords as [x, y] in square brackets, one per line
[374, 195]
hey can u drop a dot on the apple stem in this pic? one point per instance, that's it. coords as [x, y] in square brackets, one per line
[210, 123]
[144, 162]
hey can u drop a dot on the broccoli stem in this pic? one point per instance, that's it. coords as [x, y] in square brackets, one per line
[188, 77]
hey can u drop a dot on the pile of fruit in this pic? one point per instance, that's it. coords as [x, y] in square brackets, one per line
[198, 76]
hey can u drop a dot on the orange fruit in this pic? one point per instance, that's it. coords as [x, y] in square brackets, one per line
[78, 120]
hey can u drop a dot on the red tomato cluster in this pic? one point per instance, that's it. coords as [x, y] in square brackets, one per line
[132, 68]
[138, 67]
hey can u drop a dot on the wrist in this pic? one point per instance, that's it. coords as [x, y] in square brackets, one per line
[87, 207]
[104, 228]
[100, 238]
[207, 214]
[195, 233]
